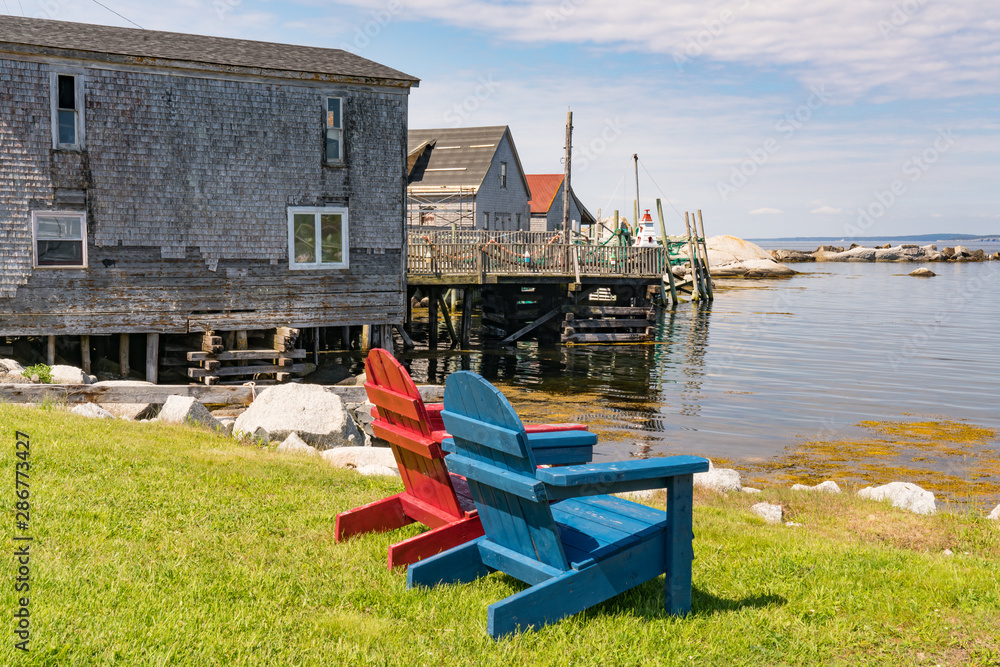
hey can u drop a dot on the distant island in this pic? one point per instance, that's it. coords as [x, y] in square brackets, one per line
[821, 240]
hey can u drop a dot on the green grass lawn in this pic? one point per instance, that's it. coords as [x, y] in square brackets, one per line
[161, 545]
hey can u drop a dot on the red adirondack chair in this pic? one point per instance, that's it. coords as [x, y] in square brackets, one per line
[431, 495]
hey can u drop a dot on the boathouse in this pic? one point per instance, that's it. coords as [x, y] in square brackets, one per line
[192, 187]
[547, 204]
[468, 178]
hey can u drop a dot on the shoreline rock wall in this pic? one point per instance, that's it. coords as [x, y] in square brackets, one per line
[885, 253]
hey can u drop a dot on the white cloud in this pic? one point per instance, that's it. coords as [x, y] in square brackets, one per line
[826, 210]
[915, 49]
[766, 211]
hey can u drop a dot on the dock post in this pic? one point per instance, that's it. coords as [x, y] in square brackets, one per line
[123, 364]
[152, 356]
[467, 317]
[695, 281]
[432, 317]
[85, 354]
[345, 337]
[704, 245]
[666, 251]
[449, 323]
[50, 351]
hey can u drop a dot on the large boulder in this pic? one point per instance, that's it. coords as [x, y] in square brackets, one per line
[828, 486]
[68, 375]
[92, 410]
[187, 410]
[721, 480]
[10, 366]
[903, 495]
[790, 256]
[922, 272]
[293, 444]
[995, 514]
[317, 415]
[731, 256]
[366, 460]
[858, 254]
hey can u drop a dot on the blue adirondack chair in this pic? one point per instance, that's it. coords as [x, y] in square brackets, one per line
[575, 553]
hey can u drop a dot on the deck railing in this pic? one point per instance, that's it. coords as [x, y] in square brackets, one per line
[541, 259]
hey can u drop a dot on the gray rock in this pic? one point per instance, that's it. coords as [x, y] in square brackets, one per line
[961, 250]
[934, 257]
[903, 495]
[11, 366]
[768, 512]
[187, 410]
[888, 255]
[318, 416]
[361, 457]
[922, 272]
[92, 410]
[68, 375]
[294, 444]
[995, 514]
[227, 424]
[928, 248]
[750, 489]
[385, 471]
[721, 480]
[792, 256]
[792, 524]
[133, 411]
[828, 486]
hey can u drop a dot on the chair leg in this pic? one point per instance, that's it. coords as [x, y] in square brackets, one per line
[459, 565]
[434, 541]
[575, 590]
[379, 516]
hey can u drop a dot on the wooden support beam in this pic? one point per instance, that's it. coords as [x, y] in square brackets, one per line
[152, 356]
[407, 341]
[432, 318]
[247, 355]
[243, 370]
[50, 351]
[450, 325]
[704, 248]
[531, 327]
[669, 272]
[85, 354]
[466, 318]
[123, 363]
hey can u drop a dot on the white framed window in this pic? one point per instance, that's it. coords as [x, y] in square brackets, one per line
[334, 130]
[317, 237]
[59, 239]
[503, 175]
[67, 111]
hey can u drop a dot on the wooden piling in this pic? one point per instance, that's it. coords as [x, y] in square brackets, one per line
[449, 323]
[666, 252]
[50, 351]
[704, 246]
[152, 356]
[432, 318]
[85, 354]
[466, 318]
[123, 363]
[692, 262]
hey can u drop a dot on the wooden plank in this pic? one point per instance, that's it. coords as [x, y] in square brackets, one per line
[152, 356]
[531, 327]
[84, 354]
[428, 514]
[610, 324]
[605, 338]
[245, 355]
[407, 439]
[123, 354]
[379, 516]
[434, 541]
[394, 401]
[509, 482]
[483, 434]
[461, 564]
[508, 561]
[244, 370]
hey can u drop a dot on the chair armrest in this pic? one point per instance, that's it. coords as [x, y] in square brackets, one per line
[434, 421]
[621, 471]
[549, 428]
[562, 447]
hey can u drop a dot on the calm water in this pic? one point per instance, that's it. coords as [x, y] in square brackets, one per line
[772, 363]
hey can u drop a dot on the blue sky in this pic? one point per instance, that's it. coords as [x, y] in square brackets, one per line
[775, 117]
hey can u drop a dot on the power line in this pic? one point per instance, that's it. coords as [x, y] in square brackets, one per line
[661, 191]
[116, 14]
[19, 5]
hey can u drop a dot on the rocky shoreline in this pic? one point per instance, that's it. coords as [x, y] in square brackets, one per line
[885, 253]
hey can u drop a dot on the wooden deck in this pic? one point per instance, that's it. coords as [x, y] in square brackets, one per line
[446, 264]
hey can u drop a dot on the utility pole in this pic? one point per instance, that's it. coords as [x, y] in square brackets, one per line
[566, 182]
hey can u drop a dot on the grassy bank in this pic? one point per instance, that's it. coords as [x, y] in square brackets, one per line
[158, 544]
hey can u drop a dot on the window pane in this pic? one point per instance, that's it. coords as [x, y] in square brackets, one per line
[333, 112]
[333, 145]
[60, 227]
[332, 238]
[67, 127]
[67, 92]
[305, 238]
[60, 253]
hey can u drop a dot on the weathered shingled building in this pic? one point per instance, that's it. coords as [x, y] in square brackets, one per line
[160, 183]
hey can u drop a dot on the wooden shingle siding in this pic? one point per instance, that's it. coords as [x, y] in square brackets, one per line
[508, 202]
[188, 181]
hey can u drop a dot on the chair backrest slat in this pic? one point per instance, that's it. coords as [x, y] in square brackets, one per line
[486, 430]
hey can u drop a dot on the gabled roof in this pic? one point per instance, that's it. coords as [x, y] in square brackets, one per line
[545, 187]
[450, 159]
[152, 47]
